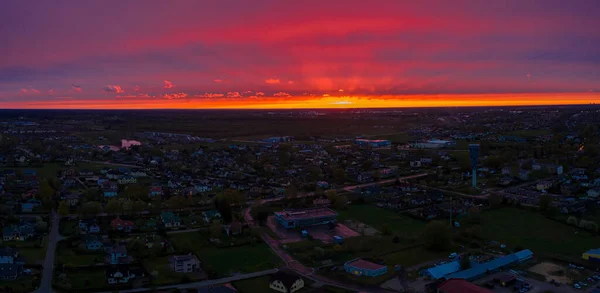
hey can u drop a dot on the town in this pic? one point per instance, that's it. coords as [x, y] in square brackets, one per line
[490, 199]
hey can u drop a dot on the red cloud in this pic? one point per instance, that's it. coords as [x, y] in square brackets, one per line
[168, 84]
[175, 96]
[76, 88]
[30, 90]
[218, 80]
[272, 81]
[209, 95]
[234, 95]
[113, 89]
[282, 94]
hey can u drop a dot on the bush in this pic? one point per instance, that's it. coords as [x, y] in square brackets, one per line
[572, 221]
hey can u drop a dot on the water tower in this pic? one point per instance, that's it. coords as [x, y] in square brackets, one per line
[474, 155]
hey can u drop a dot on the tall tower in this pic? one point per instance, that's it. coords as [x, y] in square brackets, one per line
[474, 155]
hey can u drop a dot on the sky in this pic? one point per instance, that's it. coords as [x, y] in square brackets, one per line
[297, 54]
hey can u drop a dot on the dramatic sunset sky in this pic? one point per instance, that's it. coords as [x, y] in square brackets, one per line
[297, 54]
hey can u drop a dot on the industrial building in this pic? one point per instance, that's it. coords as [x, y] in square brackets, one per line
[592, 254]
[373, 143]
[360, 267]
[306, 217]
[433, 144]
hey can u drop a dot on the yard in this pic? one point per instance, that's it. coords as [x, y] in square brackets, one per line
[165, 275]
[224, 261]
[533, 231]
[377, 217]
[33, 255]
[84, 279]
[23, 284]
[261, 285]
[412, 257]
[68, 227]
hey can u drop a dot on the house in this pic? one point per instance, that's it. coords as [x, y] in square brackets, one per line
[119, 224]
[415, 164]
[594, 192]
[8, 255]
[322, 184]
[155, 191]
[235, 228]
[88, 226]
[170, 219]
[17, 233]
[122, 274]
[138, 173]
[359, 267]
[127, 179]
[30, 205]
[285, 282]
[426, 160]
[592, 254]
[438, 272]
[92, 242]
[460, 286]
[11, 266]
[506, 171]
[543, 185]
[184, 263]
[109, 189]
[117, 254]
[321, 201]
[72, 199]
[524, 174]
[210, 216]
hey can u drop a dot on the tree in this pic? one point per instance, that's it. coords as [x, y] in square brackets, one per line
[545, 202]
[465, 261]
[215, 230]
[63, 208]
[339, 175]
[341, 202]
[138, 206]
[114, 206]
[571, 220]
[474, 215]
[223, 205]
[177, 202]
[91, 208]
[437, 236]
[495, 200]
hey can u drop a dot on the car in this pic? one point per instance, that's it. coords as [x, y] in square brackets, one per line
[576, 286]
[453, 255]
[584, 284]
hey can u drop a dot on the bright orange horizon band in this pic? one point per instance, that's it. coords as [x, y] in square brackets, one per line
[311, 102]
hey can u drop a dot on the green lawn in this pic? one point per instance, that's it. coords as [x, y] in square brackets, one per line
[23, 284]
[531, 230]
[34, 255]
[164, 274]
[48, 170]
[223, 261]
[530, 132]
[88, 279]
[80, 259]
[376, 217]
[412, 257]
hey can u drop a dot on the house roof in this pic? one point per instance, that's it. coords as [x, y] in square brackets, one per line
[286, 278]
[7, 251]
[366, 265]
[443, 270]
[593, 251]
[10, 270]
[182, 257]
[461, 286]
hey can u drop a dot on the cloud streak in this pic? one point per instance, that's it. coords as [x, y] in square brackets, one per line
[113, 89]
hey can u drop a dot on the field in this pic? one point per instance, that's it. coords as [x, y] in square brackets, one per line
[530, 132]
[225, 261]
[48, 170]
[376, 217]
[533, 231]
[87, 279]
[33, 255]
[411, 257]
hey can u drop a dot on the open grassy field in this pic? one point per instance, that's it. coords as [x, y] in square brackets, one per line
[411, 257]
[87, 279]
[34, 255]
[533, 231]
[376, 217]
[224, 261]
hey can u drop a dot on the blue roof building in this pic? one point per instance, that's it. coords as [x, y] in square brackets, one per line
[478, 270]
[439, 272]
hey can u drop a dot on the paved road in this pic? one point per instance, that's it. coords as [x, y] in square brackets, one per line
[204, 283]
[351, 187]
[47, 273]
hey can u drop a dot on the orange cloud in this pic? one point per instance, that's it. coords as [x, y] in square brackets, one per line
[113, 89]
[282, 94]
[168, 85]
[209, 95]
[234, 95]
[218, 80]
[175, 96]
[260, 94]
[272, 81]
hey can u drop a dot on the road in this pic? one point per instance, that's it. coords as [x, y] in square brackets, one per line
[111, 164]
[351, 187]
[47, 273]
[204, 283]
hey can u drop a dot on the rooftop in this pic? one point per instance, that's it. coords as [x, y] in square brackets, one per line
[363, 264]
[306, 213]
[461, 286]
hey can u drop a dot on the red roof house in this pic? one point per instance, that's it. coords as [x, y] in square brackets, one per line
[460, 286]
[121, 225]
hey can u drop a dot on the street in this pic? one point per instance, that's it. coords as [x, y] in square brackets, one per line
[47, 273]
